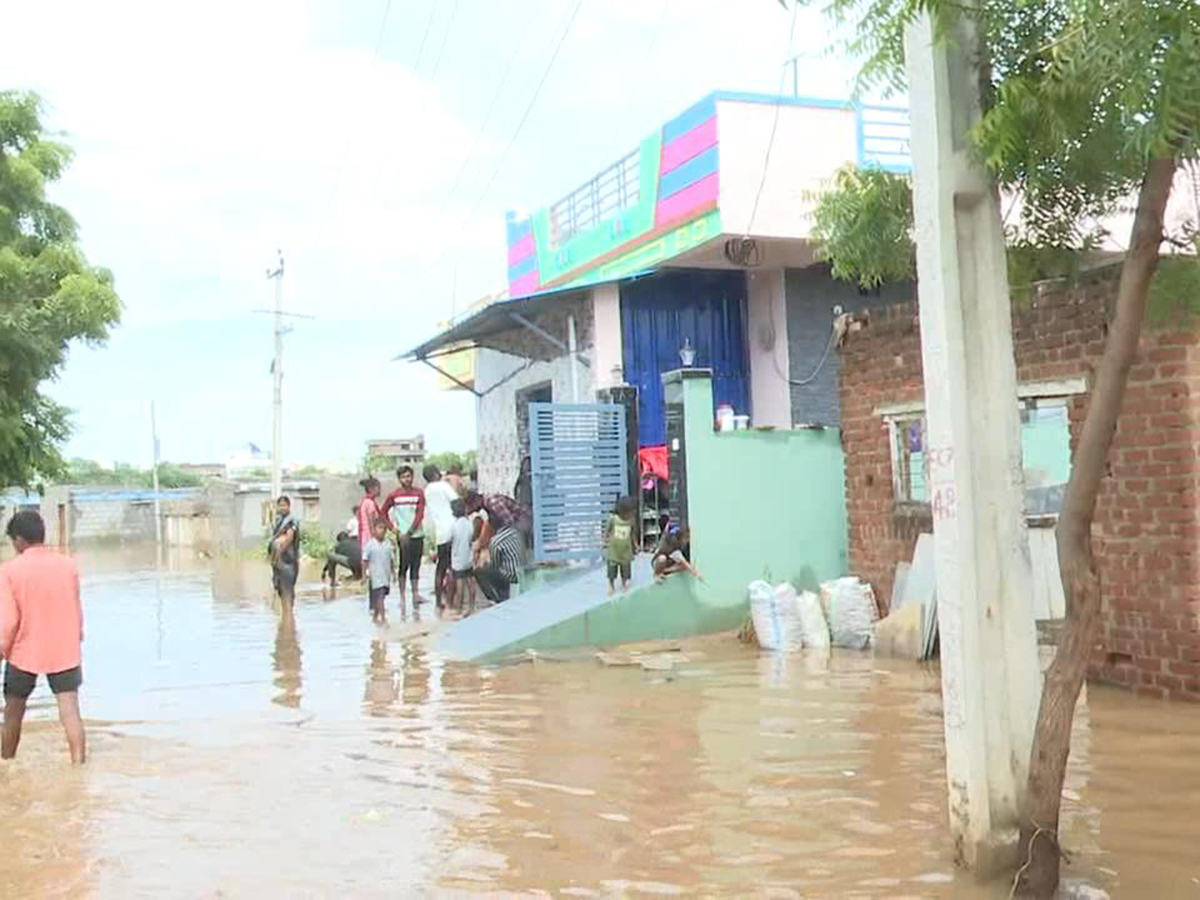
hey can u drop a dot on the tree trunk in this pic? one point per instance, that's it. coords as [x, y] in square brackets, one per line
[1081, 584]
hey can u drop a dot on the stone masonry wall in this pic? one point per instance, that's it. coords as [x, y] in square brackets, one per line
[1147, 520]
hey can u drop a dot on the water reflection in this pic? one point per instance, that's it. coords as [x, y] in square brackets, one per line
[382, 689]
[727, 773]
[286, 659]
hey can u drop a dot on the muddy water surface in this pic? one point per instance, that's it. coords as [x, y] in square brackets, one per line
[235, 755]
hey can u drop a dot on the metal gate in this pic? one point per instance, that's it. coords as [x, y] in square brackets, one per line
[580, 470]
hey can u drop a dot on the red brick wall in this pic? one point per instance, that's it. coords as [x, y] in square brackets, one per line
[1147, 524]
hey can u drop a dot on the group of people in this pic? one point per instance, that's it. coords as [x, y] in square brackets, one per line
[474, 541]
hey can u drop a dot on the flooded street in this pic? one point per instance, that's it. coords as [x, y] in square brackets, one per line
[235, 757]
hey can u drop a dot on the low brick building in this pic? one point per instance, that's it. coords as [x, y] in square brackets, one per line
[1147, 520]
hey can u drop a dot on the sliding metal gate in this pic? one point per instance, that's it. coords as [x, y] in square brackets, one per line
[580, 470]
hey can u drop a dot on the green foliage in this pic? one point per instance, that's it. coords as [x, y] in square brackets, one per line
[863, 227]
[1080, 94]
[314, 544]
[376, 465]
[49, 294]
[307, 473]
[468, 460]
[1174, 292]
[87, 472]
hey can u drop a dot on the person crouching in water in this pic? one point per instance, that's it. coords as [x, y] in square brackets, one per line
[380, 560]
[462, 572]
[618, 543]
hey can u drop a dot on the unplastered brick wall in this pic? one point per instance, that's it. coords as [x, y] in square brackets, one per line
[1147, 519]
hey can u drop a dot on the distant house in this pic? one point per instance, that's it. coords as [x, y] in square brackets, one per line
[204, 470]
[399, 451]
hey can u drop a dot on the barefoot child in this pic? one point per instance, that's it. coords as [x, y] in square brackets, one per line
[380, 564]
[618, 543]
[462, 573]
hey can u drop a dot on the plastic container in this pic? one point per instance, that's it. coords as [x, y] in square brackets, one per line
[725, 417]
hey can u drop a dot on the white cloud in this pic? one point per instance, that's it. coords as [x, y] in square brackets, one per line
[210, 134]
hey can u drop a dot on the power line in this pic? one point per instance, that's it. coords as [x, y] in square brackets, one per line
[528, 109]
[487, 118]
[774, 126]
[337, 180]
[425, 35]
[437, 60]
[432, 78]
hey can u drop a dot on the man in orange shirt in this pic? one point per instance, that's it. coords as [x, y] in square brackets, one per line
[41, 630]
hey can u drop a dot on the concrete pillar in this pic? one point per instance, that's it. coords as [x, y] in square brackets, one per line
[606, 334]
[766, 321]
[990, 675]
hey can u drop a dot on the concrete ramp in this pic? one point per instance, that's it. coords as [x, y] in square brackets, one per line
[577, 612]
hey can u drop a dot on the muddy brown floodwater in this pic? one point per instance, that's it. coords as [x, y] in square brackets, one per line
[234, 756]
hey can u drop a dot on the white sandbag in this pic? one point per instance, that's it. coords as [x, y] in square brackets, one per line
[776, 616]
[849, 606]
[813, 626]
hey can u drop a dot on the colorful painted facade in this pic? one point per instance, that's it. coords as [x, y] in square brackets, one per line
[663, 199]
[656, 203]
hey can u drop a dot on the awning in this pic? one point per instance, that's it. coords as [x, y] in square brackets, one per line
[486, 327]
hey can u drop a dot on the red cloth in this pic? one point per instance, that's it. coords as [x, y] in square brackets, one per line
[653, 461]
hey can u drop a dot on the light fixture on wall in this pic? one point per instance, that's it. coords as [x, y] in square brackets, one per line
[687, 353]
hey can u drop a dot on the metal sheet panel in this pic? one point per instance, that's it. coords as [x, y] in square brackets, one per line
[658, 313]
[580, 470]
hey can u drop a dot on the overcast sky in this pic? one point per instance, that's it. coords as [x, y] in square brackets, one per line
[208, 135]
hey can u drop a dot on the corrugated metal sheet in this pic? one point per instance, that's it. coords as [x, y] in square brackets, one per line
[658, 313]
[580, 470]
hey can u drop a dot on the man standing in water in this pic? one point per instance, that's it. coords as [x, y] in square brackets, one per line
[285, 553]
[405, 508]
[41, 630]
[439, 521]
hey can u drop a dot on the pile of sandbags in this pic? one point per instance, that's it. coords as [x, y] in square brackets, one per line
[844, 615]
[849, 606]
[786, 620]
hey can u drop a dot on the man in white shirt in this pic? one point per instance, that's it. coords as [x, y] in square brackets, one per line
[351, 528]
[439, 524]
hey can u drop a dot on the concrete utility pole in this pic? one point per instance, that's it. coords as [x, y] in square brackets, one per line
[990, 674]
[276, 275]
[158, 522]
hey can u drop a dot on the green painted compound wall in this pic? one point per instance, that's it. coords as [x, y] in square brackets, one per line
[762, 504]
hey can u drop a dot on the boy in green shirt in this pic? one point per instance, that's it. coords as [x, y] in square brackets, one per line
[618, 543]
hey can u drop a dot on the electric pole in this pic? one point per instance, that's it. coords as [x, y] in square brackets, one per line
[154, 481]
[276, 275]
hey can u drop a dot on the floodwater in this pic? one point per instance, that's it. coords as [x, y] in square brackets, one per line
[234, 756]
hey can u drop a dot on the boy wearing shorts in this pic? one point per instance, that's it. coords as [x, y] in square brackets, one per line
[462, 562]
[380, 563]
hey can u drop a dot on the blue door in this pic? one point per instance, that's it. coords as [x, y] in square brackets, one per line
[658, 313]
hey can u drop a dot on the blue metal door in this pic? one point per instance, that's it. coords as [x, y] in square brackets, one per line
[658, 313]
[580, 466]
